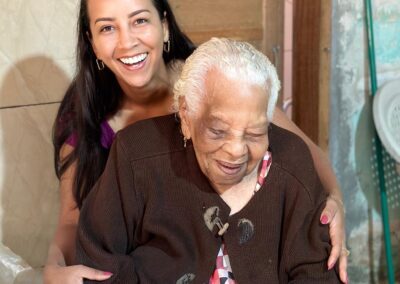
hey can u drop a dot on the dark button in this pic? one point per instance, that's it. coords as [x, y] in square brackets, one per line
[186, 279]
[245, 230]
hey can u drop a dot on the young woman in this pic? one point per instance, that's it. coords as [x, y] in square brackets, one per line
[128, 55]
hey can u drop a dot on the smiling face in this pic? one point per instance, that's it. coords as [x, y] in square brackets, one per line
[229, 131]
[128, 36]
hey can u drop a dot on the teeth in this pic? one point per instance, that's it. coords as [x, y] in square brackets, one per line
[134, 59]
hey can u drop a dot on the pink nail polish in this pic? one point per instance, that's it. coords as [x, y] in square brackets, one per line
[324, 219]
[330, 266]
[107, 273]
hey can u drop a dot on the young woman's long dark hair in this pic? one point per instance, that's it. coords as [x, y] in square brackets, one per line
[91, 97]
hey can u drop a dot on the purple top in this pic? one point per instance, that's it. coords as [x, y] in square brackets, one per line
[107, 136]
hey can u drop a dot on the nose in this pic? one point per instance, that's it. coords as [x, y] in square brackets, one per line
[127, 39]
[236, 148]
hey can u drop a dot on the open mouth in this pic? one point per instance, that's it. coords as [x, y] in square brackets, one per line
[134, 60]
[230, 169]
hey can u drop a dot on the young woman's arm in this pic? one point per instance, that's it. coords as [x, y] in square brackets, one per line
[62, 248]
[333, 214]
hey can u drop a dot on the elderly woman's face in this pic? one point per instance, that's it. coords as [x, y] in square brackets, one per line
[229, 132]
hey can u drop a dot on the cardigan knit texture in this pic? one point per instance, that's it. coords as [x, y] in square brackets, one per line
[153, 216]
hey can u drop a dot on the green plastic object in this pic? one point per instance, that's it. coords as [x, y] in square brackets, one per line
[381, 173]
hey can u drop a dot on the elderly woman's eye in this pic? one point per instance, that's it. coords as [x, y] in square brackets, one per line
[216, 132]
[255, 136]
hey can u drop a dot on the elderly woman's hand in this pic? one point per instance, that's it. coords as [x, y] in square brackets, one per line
[333, 214]
[72, 274]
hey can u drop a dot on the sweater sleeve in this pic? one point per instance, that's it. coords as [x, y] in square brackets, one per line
[308, 243]
[107, 224]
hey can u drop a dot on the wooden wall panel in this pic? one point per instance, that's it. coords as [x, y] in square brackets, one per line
[324, 75]
[273, 27]
[311, 68]
[238, 19]
[306, 63]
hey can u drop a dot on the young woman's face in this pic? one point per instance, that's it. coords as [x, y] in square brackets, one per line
[128, 36]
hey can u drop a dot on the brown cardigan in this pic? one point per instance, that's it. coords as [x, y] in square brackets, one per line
[144, 221]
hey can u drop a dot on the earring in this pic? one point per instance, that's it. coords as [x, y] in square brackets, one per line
[100, 64]
[184, 141]
[167, 46]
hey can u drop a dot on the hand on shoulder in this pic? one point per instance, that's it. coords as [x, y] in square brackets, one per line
[54, 273]
[334, 215]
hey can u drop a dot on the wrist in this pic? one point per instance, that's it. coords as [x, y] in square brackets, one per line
[338, 200]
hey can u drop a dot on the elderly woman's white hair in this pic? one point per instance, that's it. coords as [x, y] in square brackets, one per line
[236, 60]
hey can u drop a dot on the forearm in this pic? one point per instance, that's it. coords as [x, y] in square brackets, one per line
[62, 248]
[325, 171]
[55, 256]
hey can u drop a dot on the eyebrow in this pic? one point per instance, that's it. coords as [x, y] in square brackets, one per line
[109, 19]
[217, 118]
[220, 119]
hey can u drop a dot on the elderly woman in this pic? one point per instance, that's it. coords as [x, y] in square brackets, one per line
[219, 195]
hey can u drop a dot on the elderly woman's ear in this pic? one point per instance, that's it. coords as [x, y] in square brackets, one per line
[183, 114]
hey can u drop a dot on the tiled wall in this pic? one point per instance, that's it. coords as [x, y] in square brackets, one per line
[36, 63]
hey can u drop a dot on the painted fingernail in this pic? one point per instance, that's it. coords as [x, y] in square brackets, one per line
[107, 273]
[324, 219]
[330, 266]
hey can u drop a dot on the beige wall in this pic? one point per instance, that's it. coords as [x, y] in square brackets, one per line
[36, 63]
